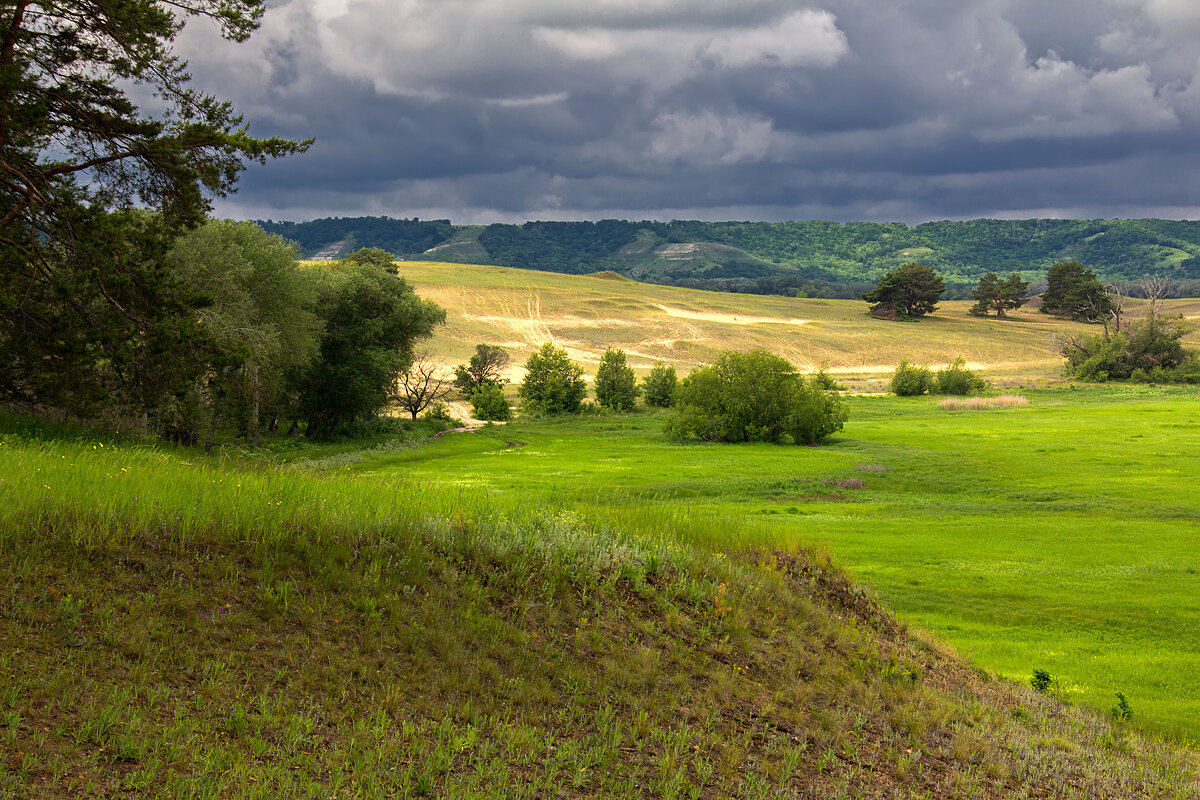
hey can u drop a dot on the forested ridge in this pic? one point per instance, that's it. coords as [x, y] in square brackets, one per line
[811, 257]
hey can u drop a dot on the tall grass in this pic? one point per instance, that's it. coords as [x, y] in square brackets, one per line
[101, 495]
[980, 403]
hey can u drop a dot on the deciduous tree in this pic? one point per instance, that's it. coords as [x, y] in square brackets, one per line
[553, 383]
[258, 307]
[419, 385]
[372, 320]
[486, 366]
[616, 386]
[658, 387]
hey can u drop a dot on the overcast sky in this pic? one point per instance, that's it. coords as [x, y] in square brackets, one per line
[891, 110]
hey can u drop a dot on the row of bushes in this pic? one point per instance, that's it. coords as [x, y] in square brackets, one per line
[911, 380]
[741, 397]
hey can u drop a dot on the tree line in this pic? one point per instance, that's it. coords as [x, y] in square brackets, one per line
[817, 258]
[1147, 348]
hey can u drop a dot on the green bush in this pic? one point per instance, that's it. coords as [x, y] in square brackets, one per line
[489, 403]
[658, 387]
[957, 379]
[616, 387]
[440, 412]
[911, 380]
[823, 380]
[1148, 350]
[753, 397]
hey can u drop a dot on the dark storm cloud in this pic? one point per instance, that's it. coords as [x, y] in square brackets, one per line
[484, 110]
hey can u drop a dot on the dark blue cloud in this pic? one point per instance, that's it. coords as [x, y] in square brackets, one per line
[854, 110]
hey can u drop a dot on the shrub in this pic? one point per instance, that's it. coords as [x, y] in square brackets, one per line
[1149, 349]
[553, 383]
[440, 412]
[489, 403]
[616, 387]
[823, 380]
[1040, 681]
[911, 380]
[957, 379]
[658, 387]
[1122, 711]
[753, 397]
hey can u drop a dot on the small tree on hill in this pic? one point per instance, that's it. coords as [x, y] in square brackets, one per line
[616, 387]
[1073, 291]
[911, 290]
[994, 294]
[485, 367]
[658, 387]
[553, 383]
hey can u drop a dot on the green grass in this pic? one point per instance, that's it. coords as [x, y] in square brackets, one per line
[179, 626]
[1059, 535]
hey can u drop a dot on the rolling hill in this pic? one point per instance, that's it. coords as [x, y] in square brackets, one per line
[521, 309]
[813, 258]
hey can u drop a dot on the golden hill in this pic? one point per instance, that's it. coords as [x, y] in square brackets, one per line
[521, 309]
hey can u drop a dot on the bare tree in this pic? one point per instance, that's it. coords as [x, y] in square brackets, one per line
[419, 386]
[1156, 288]
[1117, 298]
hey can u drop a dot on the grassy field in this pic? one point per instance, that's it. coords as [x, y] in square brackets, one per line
[179, 626]
[521, 309]
[580, 608]
[1058, 535]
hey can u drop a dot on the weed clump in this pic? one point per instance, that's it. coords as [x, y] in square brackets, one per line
[1121, 710]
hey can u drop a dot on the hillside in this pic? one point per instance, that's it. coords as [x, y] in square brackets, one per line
[175, 626]
[813, 258]
[520, 309]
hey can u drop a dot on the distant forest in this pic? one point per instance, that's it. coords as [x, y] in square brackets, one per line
[816, 259]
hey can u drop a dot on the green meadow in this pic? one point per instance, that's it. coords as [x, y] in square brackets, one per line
[1059, 535]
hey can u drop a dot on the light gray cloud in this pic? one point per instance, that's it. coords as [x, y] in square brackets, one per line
[486, 110]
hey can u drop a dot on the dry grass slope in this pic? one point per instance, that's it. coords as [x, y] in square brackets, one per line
[521, 309]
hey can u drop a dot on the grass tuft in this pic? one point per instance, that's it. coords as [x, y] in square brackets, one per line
[980, 403]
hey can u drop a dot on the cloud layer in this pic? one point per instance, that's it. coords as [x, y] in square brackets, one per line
[506, 110]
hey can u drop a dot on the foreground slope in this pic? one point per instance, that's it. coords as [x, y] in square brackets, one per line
[520, 310]
[172, 628]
